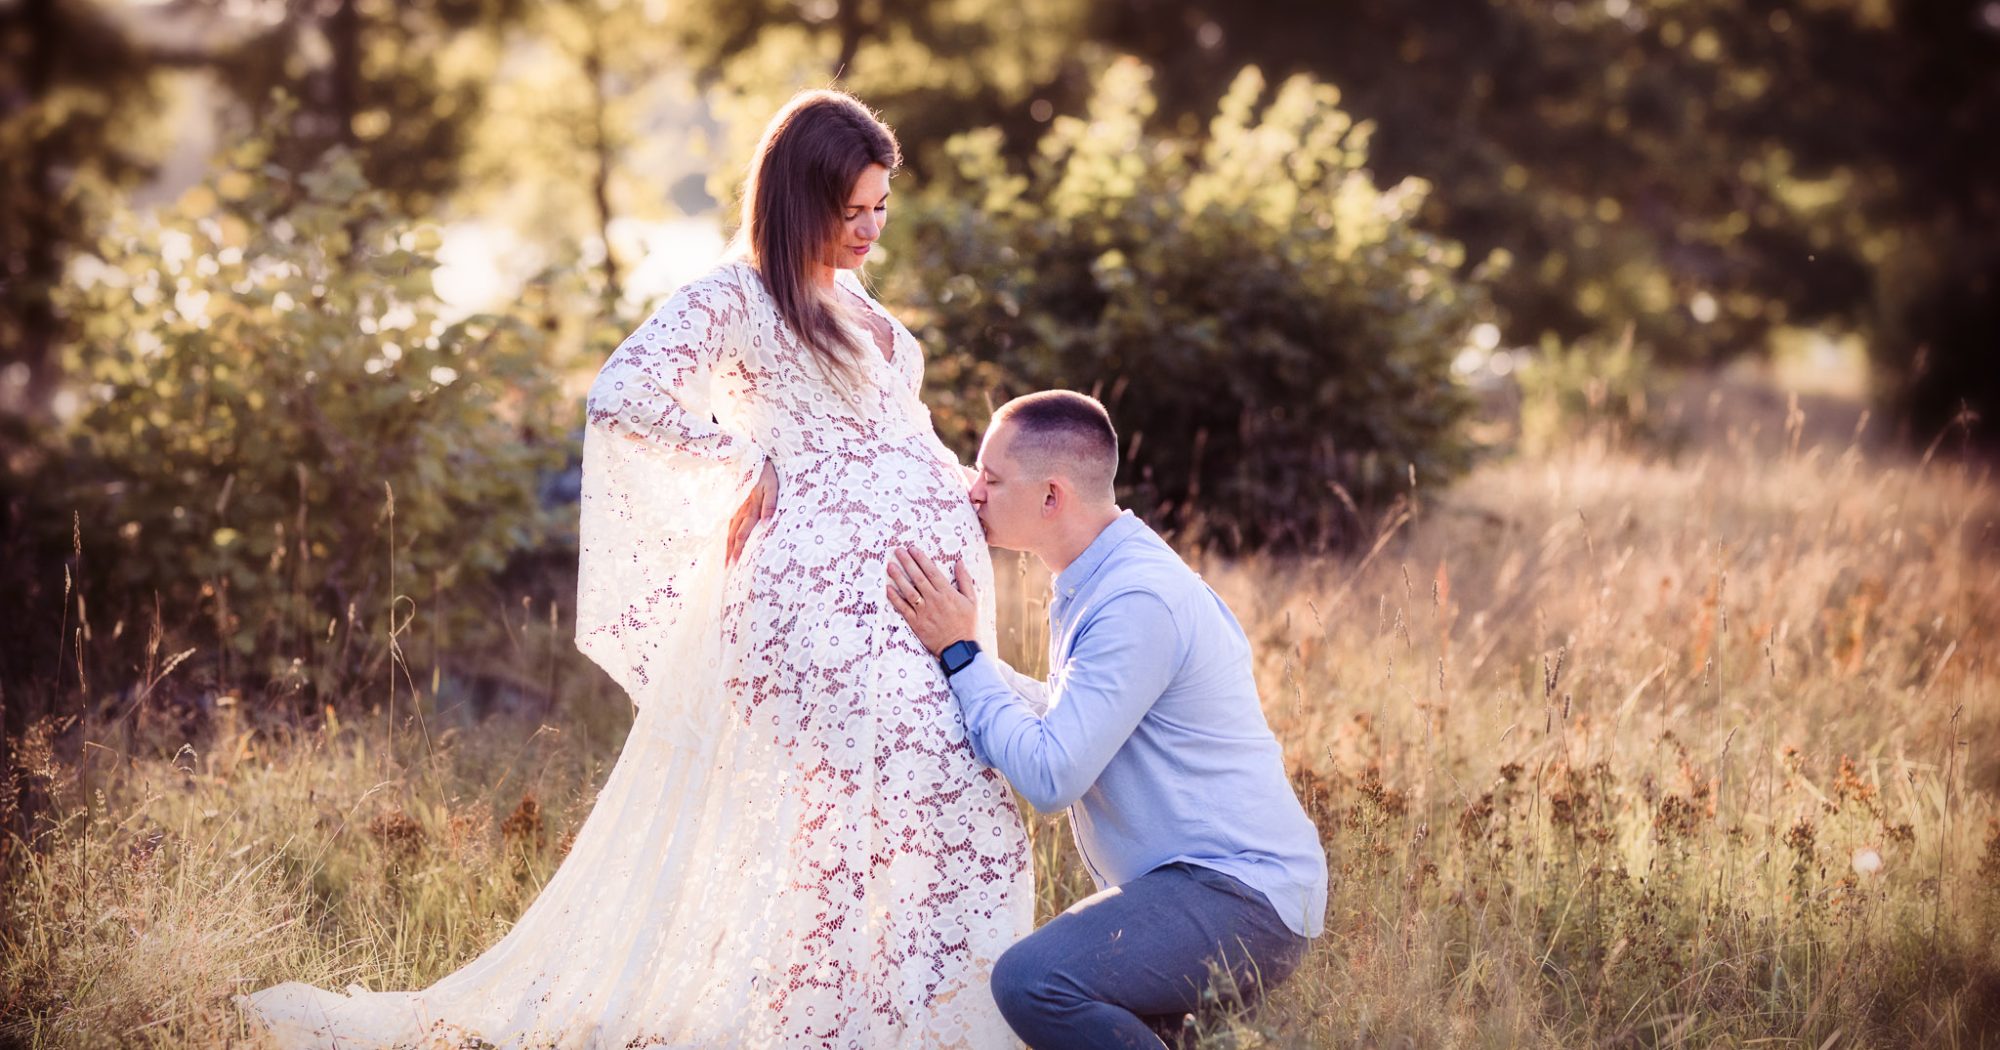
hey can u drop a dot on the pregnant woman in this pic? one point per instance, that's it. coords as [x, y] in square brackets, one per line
[796, 847]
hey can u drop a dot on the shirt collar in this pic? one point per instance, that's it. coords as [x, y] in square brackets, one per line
[1079, 572]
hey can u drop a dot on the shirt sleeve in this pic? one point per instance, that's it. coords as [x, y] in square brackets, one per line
[1115, 672]
[1032, 691]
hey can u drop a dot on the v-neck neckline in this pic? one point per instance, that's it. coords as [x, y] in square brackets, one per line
[888, 354]
[867, 331]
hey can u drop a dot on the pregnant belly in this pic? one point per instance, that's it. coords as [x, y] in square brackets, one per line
[842, 505]
[805, 620]
[843, 513]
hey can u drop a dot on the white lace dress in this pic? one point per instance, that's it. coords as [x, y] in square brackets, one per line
[796, 847]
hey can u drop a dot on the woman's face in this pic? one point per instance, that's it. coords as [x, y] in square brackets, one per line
[861, 221]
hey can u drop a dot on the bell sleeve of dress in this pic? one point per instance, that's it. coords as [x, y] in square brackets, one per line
[661, 479]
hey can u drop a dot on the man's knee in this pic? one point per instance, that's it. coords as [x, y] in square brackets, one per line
[1020, 980]
[1031, 982]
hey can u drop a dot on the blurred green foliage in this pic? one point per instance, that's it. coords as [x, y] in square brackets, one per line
[1699, 171]
[85, 113]
[281, 442]
[933, 67]
[1272, 332]
[1592, 389]
[75, 98]
[400, 84]
[1266, 285]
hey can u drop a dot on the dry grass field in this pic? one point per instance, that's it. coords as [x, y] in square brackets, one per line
[1611, 747]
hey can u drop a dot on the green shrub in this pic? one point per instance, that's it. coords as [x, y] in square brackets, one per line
[1586, 389]
[1270, 330]
[277, 439]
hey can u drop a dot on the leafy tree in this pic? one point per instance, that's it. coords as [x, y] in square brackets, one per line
[1271, 331]
[1697, 170]
[400, 84]
[575, 137]
[282, 443]
[74, 99]
[933, 67]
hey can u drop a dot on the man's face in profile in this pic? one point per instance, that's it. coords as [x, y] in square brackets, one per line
[1008, 500]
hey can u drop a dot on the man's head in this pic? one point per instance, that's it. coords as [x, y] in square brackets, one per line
[1046, 469]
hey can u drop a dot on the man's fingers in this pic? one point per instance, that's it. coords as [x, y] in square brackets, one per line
[911, 575]
[963, 578]
[901, 582]
[932, 575]
[910, 611]
[928, 579]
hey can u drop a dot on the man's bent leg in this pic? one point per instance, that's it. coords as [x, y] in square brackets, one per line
[1091, 977]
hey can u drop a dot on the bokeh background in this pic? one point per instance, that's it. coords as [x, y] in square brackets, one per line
[1654, 339]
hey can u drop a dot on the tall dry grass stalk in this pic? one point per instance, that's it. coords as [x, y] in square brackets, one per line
[1608, 749]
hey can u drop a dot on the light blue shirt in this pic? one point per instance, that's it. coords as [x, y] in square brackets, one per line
[1151, 732]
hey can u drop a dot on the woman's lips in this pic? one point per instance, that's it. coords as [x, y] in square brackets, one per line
[862, 250]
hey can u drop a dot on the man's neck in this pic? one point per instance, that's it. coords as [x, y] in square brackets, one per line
[1074, 540]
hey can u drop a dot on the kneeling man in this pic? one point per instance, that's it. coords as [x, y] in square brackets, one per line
[1148, 729]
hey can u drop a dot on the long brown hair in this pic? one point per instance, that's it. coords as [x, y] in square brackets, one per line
[794, 200]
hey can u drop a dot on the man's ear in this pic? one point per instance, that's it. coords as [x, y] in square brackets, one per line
[1053, 497]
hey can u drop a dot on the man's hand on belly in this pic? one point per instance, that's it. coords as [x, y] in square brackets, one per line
[940, 610]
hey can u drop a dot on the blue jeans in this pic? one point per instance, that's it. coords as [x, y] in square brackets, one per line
[1124, 965]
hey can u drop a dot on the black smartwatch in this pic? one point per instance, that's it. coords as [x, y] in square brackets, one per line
[957, 656]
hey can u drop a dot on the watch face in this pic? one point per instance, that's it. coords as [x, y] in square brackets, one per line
[957, 655]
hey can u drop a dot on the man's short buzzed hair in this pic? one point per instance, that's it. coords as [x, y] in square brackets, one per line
[1067, 433]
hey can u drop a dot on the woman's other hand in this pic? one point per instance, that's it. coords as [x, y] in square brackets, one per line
[760, 504]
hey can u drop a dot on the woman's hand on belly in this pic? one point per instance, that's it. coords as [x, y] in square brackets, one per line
[760, 504]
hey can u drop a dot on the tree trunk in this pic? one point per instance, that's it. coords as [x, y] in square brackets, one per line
[343, 37]
[852, 31]
[601, 158]
[32, 271]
